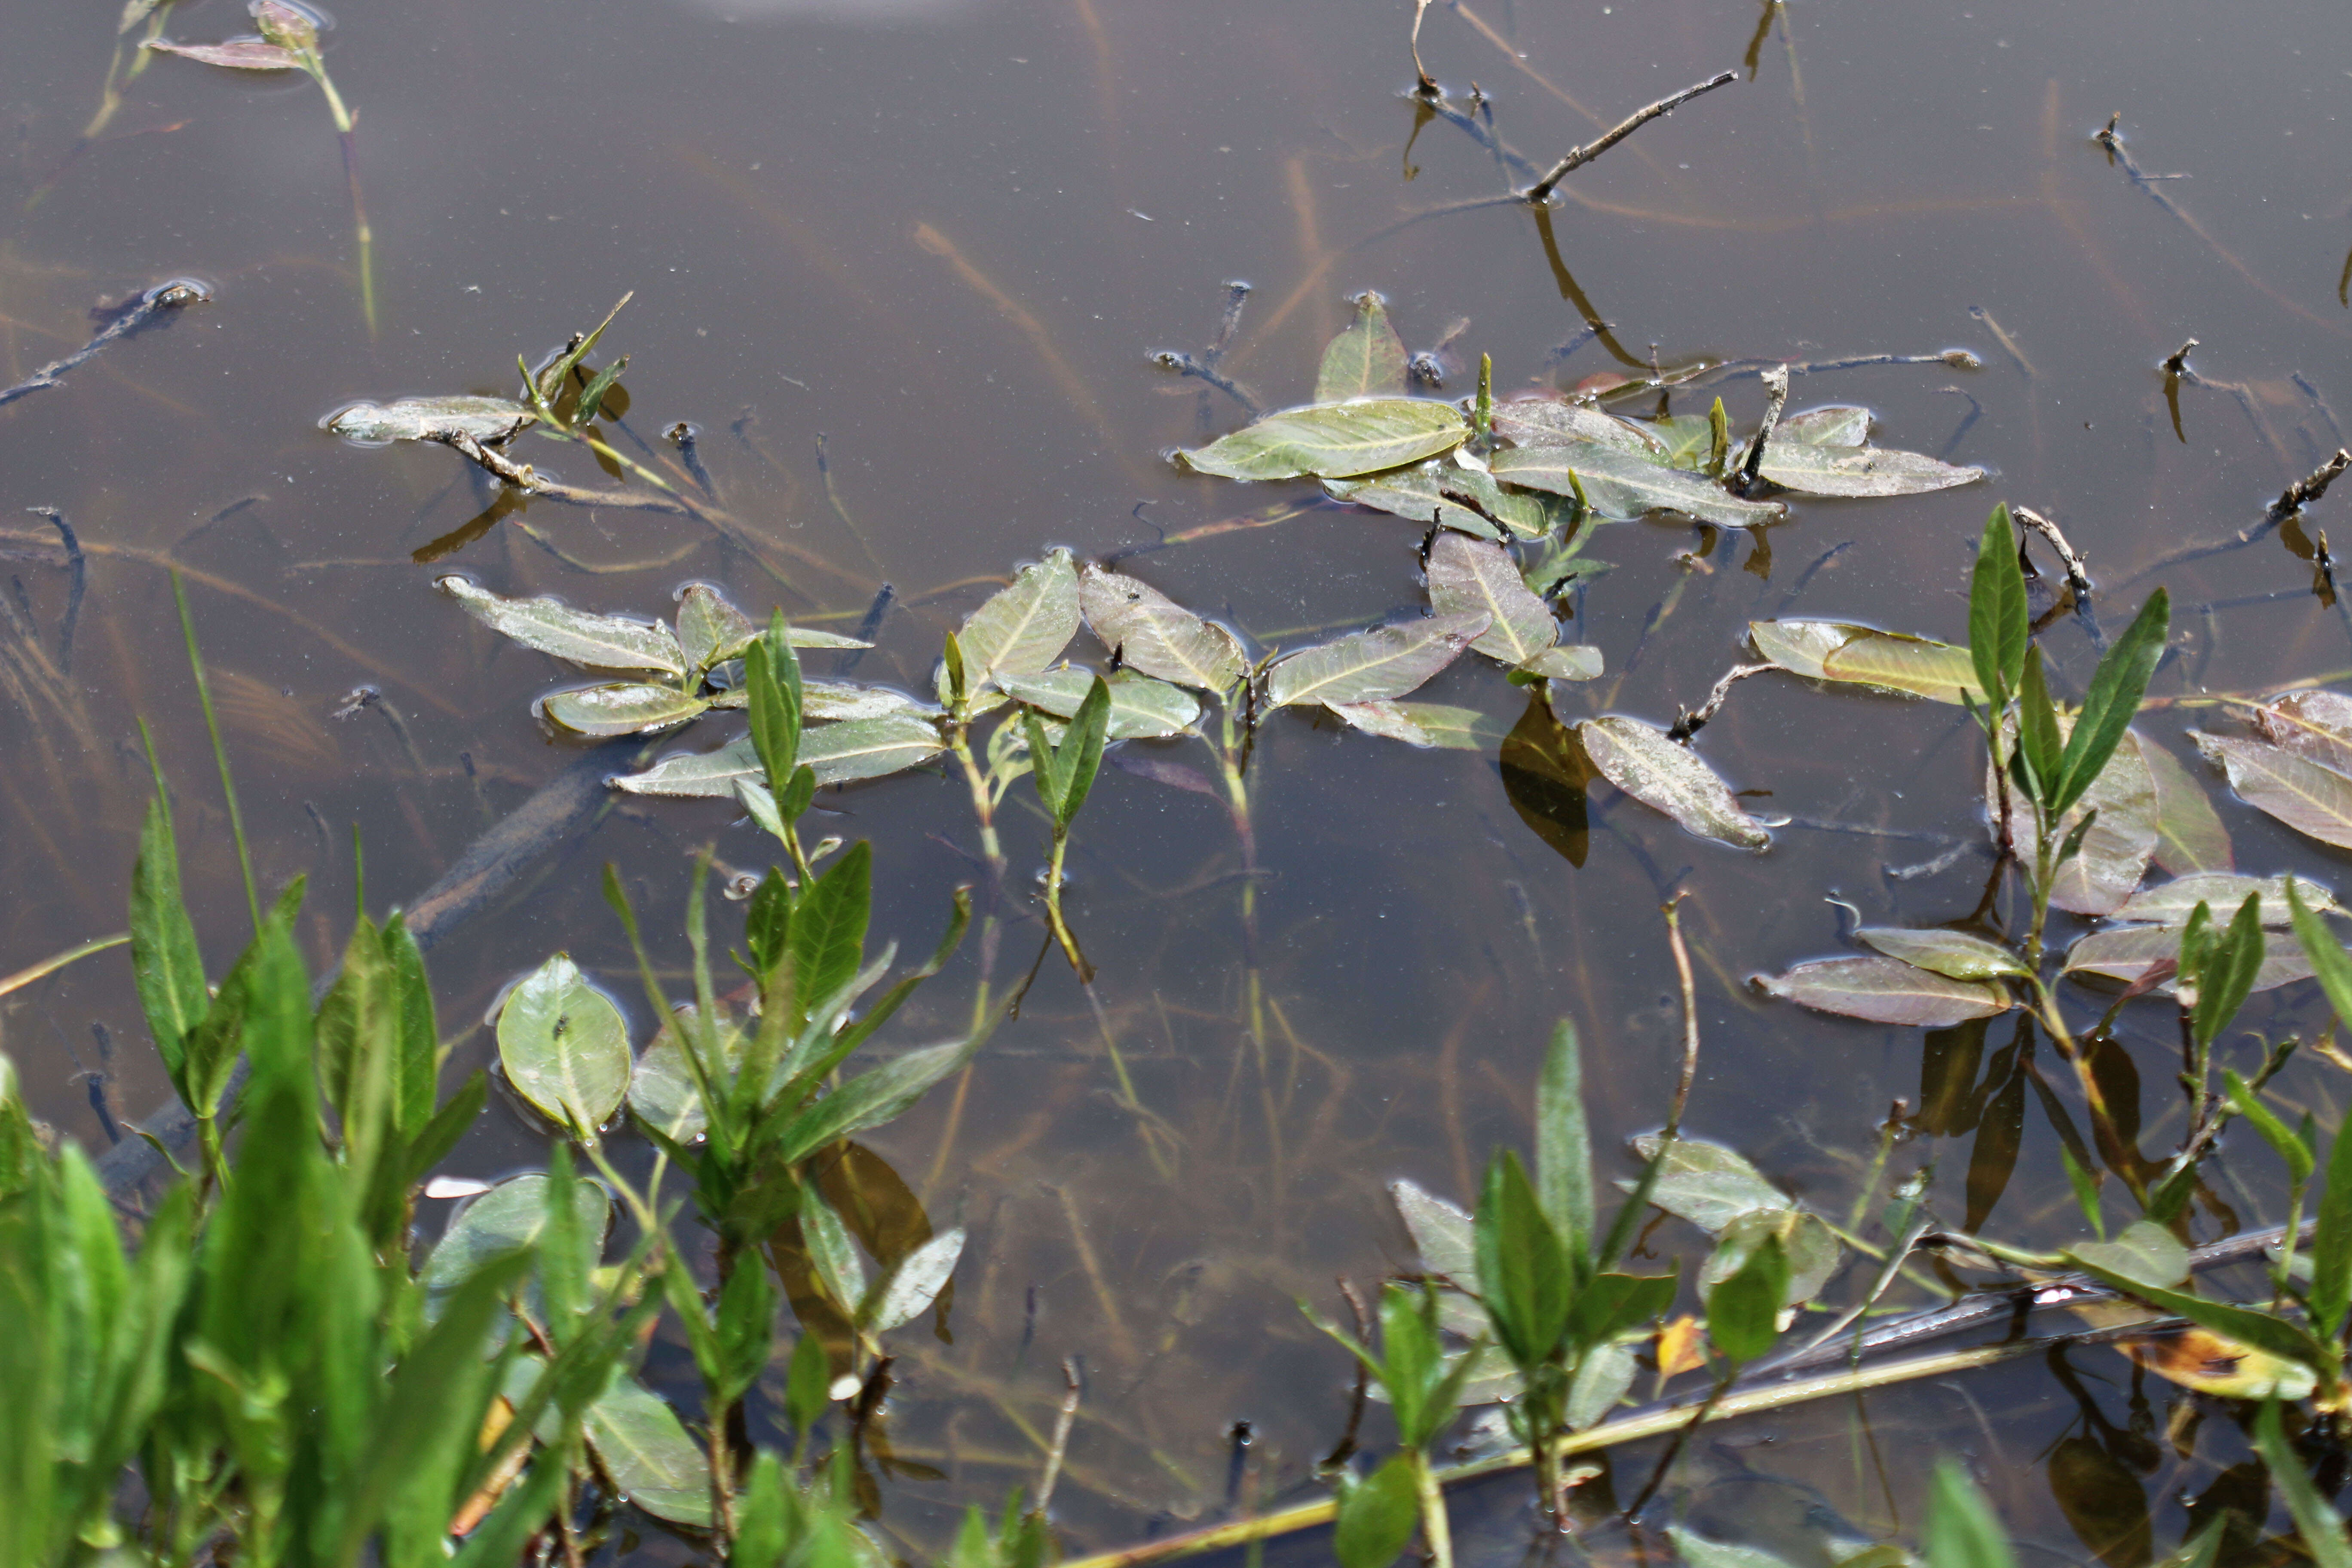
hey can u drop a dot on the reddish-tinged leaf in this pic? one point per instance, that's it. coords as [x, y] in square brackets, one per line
[237, 53]
[2307, 797]
[1885, 992]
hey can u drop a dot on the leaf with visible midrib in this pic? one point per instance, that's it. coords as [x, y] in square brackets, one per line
[1672, 779]
[1884, 991]
[1024, 627]
[491, 419]
[1154, 634]
[1826, 470]
[1625, 487]
[1372, 666]
[1367, 360]
[1470, 576]
[604, 642]
[647, 1452]
[623, 708]
[1334, 440]
[565, 1047]
[2309, 798]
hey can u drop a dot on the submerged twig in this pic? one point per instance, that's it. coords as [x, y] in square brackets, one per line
[51, 965]
[1063, 1417]
[1689, 1074]
[1540, 192]
[523, 477]
[162, 298]
[78, 568]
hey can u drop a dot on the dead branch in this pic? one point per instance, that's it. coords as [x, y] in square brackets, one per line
[1690, 723]
[2077, 576]
[1540, 192]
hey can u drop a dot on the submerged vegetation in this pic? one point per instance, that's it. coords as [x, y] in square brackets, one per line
[261, 1358]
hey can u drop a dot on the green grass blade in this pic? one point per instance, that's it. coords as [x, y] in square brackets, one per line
[220, 752]
[2321, 1527]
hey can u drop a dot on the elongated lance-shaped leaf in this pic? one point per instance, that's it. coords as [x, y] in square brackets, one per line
[2117, 687]
[165, 965]
[603, 642]
[1564, 1146]
[1023, 628]
[829, 926]
[2039, 748]
[1472, 577]
[549, 382]
[709, 629]
[620, 708]
[2275, 1336]
[1367, 360]
[1524, 1273]
[1372, 666]
[2315, 1519]
[1152, 634]
[1334, 440]
[1998, 622]
[2291, 1150]
[1963, 1532]
[772, 671]
[2331, 1246]
[1672, 779]
[592, 396]
[1078, 758]
[2226, 971]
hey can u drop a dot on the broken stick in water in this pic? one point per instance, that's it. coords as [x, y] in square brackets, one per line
[159, 300]
[1540, 192]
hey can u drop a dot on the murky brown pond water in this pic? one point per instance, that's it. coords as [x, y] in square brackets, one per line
[940, 236]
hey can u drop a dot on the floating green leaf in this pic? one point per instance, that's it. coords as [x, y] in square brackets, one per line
[236, 54]
[486, 419]
[870, 748]
[823, 701]
[662, 1091]
[647, 1451]
[509, 1216]
[1625, 488]
[709, 629]
[1151, 633]
[1806, 1241]
[2314, 800]
[1023, 628]
[1334, 440]
[1826, 470]
[1371, 666]
[1570, 661]
[1955, 954]
[2170, 903]
[1424, 724]
[1416, 494]
[1707, 1183]
[2188, 832]
[623, 708]
[2128, 953]
[550, 625]
[1367, 360]
[1140, 706]
[1670, 778]
[1841, 650]
[1835, 426]
[565, 1047]
[916, 1283]
[1553, 422]
[1884, 991]
[1440, 1231]
[1470, 576]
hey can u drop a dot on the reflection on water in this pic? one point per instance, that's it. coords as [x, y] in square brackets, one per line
[944, 246]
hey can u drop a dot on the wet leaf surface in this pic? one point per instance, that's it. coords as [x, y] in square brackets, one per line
[870, 748]
[823, 701]
[1954, 954]
[550, 625]
[662, 1091]
[2117, 850]
[1708, 1183]
[1570, 661]
[1841, 650]
[1553, 422]
[565, 1047]
[1823, 470]
[486, 419]
[1670, 778]
[1424, 724]
[1365, 361]
[918, 1281]
[1140, 706]
[621, 709]
[1151, 634]
[509, 1215]
[1023, 628]
[1371, 666]
[2306, 796]
[1835, 427]
[647, 1452]
[2126, 952]
[1812, 1250]
[2190, 836]
[1471, 576]
[1416, 495]
[1335, 440]
[2315, 724]
[1626, 487]
[1440, 1231]
[709, 629]
[236, 54]
[1883, 991]
[2170, 903]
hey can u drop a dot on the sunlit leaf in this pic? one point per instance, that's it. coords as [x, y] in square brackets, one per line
[1954, 954]
[1625, 488]
[509, 1215]
[624, 707]
[2143, 1251]
[2315, 724]
[916, 1283]
[2128, 953]
[1140, 706]
[1371, 666]
[604, 642]
[565, 1047]
[1884, 991]
[2312, 799]
[486, 419]
[870, 748]
[1375, 1516]
[237, 53]
[1367, 360]
[1417, 495]
[1553, 422]
[1334, 440]
[1835, 426]
[1707, 1183]
[823, 702]
[2117, 850]
[2170, 903]
[1153, 634]
[1826, 470]
[709, 629]
[1743, 1309]
[647, 1452]
[1840, 650]
[1670, 778]
[1470, 576]
[1023, 628]
[1806, 1241]
[2188, 832]
[1424, 724]
[662, 1091]
[1570, 661]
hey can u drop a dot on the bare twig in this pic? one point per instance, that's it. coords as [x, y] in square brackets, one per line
[163, 296]
[1540, 192]
[1693, 720]
[2176, 361]
[523, 477]
[78, 565]
[2077, 576]
[2306, 490]
[1690, 1016]
[1775, 397]
[1346, 1448]
[1423, 83]
[1071, 1387]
